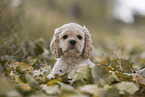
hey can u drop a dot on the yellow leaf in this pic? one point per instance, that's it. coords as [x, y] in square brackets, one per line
[25, 87]
[52, 82]
[23, 66]
[17, 79]
[109, 68]
[142, 60]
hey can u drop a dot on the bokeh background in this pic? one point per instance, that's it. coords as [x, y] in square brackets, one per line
[113, 24]
[118, 33]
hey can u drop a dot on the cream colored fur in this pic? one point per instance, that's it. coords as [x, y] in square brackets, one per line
[68, 56]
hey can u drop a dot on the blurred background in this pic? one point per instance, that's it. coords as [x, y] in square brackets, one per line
[27, 26]
[113, 24]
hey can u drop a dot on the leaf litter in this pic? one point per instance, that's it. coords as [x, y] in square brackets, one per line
[24, 74]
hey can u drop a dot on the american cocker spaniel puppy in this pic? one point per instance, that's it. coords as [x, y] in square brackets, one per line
[72, 46]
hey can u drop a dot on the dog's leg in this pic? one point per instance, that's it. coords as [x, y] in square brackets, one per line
[59, 68]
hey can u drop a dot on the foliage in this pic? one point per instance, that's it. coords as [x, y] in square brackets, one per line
[26, 66]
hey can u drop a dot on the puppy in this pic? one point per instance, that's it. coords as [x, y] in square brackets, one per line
[72, 46]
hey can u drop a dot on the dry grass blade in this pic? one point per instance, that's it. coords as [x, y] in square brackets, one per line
[3, 9]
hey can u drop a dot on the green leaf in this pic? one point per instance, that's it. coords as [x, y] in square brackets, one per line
[128, 87]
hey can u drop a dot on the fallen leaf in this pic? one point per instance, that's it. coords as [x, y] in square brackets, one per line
[65, 87]
[31, 81]
[141, 72]
[69, 91]
[138, 79]
[91, 89]
[82, 72]
[22, 66]
[108, 91]
[98, 72]
[52, 82]
[31, 60]
[53, 90]
[24, 87]
[128, 87]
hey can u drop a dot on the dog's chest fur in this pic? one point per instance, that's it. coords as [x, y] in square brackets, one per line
[70, 63]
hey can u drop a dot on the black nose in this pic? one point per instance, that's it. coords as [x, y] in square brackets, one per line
[72, 42]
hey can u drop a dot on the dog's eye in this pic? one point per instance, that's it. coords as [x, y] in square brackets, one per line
[79, 37]
[65, 37]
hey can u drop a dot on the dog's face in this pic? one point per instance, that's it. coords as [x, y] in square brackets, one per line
[71, 41]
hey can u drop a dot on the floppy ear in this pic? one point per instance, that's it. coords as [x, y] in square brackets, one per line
[88, 47]
[54, 45]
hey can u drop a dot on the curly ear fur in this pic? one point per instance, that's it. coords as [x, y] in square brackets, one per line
[54, 45]
[88, 47]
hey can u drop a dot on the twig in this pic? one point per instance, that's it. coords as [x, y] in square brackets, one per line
[101, 57]
[16, 52]
[117, 51]
[122, 52]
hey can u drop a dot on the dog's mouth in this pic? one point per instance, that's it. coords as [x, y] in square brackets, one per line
[72, 48]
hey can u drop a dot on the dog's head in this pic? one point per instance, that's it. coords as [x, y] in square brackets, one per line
[71, 39]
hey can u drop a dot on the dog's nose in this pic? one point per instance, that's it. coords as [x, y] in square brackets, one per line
[72, 42]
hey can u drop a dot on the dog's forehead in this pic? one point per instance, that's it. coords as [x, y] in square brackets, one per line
[72, 32]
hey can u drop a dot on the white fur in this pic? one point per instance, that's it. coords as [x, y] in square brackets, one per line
[68, 56]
